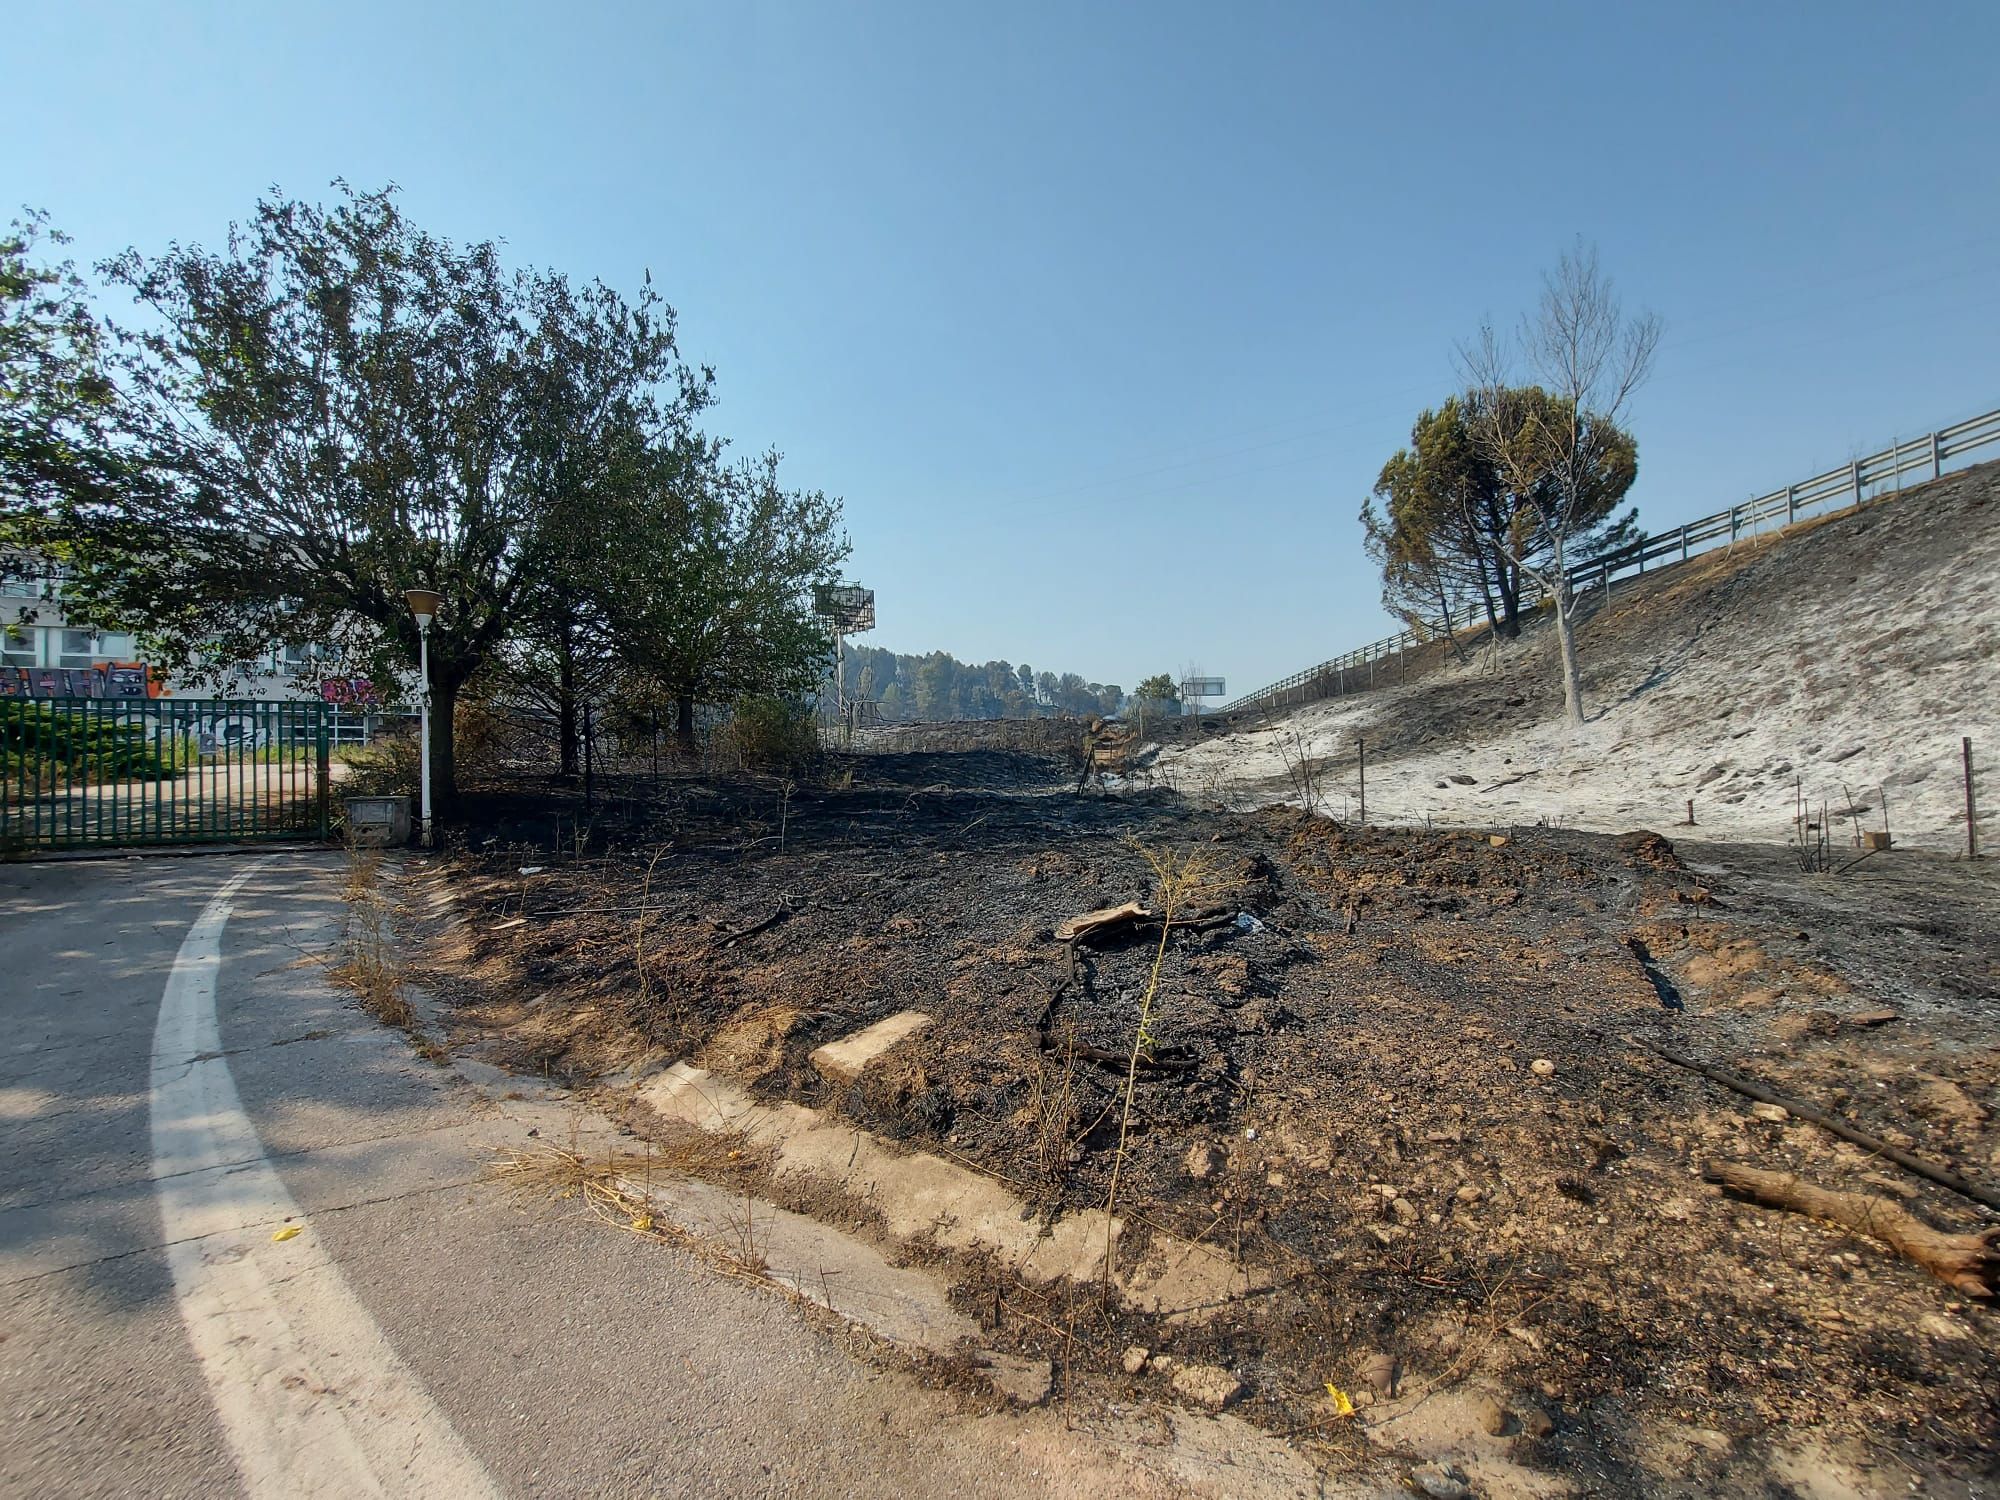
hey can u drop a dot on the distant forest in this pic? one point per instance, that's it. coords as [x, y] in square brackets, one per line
[940, 686]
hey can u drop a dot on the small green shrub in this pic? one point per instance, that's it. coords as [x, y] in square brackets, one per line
[387, 766]
[770, 734]
[41, 743]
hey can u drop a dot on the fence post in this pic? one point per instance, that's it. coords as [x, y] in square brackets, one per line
[1854, 478]
[1361, 746]
[323, 755]
[1937, 461]
[1684, 544]
[1971, 813]
[1791, 503]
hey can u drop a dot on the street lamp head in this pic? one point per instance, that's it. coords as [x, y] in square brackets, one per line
[423, 603]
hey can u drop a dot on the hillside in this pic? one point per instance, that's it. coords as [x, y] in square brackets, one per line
[1848, 656]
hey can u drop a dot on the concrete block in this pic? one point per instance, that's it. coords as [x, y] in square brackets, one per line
[844, 1060]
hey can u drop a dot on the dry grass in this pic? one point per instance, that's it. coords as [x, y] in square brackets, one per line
[368, 963]
[615, 1186]
[1055, 1106]
[603, 1186]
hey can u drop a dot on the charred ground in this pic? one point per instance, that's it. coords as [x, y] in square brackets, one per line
[1359, 1048]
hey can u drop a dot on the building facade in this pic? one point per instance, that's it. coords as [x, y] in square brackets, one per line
[45, 653]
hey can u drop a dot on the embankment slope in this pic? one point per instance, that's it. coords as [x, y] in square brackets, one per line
[1846, 658]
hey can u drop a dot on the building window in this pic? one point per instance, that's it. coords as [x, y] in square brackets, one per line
[17, 646]
[86, 648]
[79, 648]
[27, 579]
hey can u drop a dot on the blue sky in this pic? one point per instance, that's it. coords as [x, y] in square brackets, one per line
[1103, 318]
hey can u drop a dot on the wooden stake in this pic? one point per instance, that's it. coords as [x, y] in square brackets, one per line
[1971, 814]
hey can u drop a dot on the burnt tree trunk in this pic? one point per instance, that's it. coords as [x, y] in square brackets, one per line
[566, 714]
[444, 757]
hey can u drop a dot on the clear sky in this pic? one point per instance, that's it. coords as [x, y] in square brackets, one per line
[1103, 318]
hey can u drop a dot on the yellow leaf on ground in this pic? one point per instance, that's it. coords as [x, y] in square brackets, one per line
[643, 1223]
[1342, 1406]
[288, 1232]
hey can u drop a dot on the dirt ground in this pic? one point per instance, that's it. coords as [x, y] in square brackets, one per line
[1441, 1153]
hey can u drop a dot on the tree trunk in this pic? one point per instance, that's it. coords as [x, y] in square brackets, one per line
[1486, 593]
[1572, 673]
[684, 722]
[444, 763]
[566, 716]
[1566, 639]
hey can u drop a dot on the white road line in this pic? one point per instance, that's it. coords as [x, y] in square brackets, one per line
[313, 1399]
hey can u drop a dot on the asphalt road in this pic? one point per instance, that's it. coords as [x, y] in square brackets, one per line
[423, 1333]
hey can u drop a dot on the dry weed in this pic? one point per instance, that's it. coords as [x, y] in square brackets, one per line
[1184, 879]
[1054, 1101]
[368, 965]
[616, 1187]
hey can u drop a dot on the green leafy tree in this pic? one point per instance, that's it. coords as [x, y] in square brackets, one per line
[607, 407]
[934, 681]
[1451, 529]
[333, 408]
[710, 588]
[58, 406]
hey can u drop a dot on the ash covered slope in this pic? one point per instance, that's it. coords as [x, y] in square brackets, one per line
[1850, 655]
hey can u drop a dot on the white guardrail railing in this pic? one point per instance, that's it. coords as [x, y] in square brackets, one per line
[1850, 484]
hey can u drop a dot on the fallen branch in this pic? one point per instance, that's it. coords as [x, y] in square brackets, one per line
[1194, 924]
[1750, 1089]
[1147, 1063]
[1969, 1263]
[753, 929]
[1137, 917]
[1096, 921]
[1494, 786]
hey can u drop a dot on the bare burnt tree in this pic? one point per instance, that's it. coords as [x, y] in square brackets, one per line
[1555, 441]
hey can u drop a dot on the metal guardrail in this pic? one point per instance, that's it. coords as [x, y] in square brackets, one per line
[1851, 483]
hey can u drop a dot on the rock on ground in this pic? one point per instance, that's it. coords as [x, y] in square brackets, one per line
[1211, 1385]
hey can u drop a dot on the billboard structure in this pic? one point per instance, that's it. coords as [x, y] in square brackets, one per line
[845, 609]
[1195, 689]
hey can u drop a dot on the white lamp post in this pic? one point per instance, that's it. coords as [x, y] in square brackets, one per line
[423, 604]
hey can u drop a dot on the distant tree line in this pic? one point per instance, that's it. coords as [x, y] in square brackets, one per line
[917, 689]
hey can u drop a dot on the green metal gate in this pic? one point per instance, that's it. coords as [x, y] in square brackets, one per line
[80, 773]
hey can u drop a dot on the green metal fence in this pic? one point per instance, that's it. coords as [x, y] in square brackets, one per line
[79, 773]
